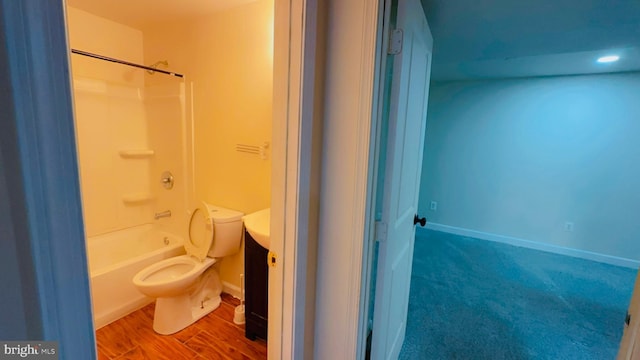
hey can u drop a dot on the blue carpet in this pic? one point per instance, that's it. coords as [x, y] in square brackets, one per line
[475, 299]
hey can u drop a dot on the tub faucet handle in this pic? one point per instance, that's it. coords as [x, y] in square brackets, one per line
[167, 180]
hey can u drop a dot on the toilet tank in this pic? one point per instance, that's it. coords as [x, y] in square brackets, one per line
[227, 235]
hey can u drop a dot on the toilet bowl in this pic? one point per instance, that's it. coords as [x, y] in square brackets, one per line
[171, 277]
[187, 287]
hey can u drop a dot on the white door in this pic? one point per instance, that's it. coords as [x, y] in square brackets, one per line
[630, 344]
[406, 128]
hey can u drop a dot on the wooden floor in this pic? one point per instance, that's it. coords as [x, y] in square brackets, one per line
[213, 337]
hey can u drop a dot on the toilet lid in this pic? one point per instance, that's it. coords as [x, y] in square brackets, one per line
[200, 233]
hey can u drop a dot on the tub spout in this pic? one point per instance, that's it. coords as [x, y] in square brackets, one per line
[162, 214]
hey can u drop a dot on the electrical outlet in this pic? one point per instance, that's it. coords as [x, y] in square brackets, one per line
[434, 205]
[568, 226]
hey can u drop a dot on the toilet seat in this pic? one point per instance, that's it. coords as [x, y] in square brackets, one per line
[171, 276]
[201, 231]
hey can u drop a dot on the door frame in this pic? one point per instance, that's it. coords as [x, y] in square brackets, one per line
[296, 150]
[350, 139]
[51, 224]
[411, 20]
[382, 84]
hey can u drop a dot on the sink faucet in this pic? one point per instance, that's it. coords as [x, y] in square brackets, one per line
[163, 214]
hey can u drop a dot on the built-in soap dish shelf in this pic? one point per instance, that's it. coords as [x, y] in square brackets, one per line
[137, 198]
[136, 153]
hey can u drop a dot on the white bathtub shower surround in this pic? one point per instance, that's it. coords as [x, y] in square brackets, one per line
[114, 259]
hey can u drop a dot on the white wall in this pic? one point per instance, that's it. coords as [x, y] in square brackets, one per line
[522, 157]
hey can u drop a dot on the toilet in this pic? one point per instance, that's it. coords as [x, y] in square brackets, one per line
[187, 287]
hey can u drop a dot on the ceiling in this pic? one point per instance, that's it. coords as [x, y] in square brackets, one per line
[473, 39]
[511, 38]
[137, 13]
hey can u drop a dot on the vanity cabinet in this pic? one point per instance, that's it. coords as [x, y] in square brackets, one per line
[256, 275]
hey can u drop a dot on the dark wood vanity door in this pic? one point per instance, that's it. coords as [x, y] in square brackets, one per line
[256, 274]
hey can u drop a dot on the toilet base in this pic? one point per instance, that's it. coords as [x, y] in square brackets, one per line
[176, 313]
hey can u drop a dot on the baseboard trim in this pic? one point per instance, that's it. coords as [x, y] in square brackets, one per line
[588, 255]
[232, 290]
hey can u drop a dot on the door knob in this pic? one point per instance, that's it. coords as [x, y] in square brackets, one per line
[422, 221]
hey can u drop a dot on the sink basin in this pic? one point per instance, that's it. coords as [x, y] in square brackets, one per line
[258, 225]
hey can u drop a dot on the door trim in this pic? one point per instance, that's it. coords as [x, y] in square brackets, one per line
[298, 54]
[377, 117]
[37, 38]
[349, 130]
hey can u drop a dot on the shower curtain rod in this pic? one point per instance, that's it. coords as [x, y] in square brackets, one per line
[106, 58]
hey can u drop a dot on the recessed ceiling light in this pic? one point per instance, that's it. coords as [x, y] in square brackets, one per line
[609, 59]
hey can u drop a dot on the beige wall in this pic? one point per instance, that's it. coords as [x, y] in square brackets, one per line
[98, 35]
[227, 59]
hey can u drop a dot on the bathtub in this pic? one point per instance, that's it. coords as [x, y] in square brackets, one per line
[115, 258]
